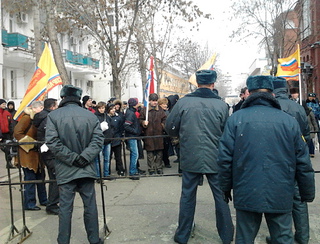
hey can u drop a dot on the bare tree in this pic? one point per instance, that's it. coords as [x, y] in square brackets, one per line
[190, 55]
[267, 20]
[53, 38]
[111, 23]
[156, 33]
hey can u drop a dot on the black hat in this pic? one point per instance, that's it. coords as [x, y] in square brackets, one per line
[153, 97]
[279, 82]
[312, 95]
[2, 101]
[109, 107]
[85, 99]
[111, 100]
[206, 76]
[260, 82]
[294, 90]
[70, 91]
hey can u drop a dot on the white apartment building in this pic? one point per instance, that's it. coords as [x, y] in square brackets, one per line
[17, 60]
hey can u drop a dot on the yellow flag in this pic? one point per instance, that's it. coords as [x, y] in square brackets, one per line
[207, 65]
[289, 68]
[44, 79]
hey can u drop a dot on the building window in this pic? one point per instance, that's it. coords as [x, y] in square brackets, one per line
[90, 84]
[76, 82]
[306, 19]
[11, 23]
[13, 84]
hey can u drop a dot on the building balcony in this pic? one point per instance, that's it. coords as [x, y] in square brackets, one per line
[17, 40]
[80, 59]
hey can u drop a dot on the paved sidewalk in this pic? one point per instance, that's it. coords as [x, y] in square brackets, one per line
[144, 211]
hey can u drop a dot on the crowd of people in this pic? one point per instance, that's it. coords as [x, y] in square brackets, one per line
[233, 152]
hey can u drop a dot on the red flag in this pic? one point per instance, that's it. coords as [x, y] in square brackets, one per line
[152, 76]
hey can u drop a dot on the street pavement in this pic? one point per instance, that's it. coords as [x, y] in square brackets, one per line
[141, 211]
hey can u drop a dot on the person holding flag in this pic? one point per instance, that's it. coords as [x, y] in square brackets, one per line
[154, 126]
[44, 79]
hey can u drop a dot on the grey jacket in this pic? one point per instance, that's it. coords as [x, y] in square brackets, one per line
[198, 119]
[72, 131]
[294, 109]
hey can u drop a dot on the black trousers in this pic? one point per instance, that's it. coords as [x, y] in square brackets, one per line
[53, 195]
[85, 187]
[118, 157]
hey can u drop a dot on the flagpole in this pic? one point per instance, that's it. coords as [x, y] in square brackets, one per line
[147, 107]
[300, 80]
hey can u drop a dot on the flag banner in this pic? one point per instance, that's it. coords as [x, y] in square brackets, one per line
[209, 65]
[289, 68]
[149, 89]
[44, 79]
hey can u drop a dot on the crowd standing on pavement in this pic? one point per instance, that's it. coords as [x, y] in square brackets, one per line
[234, 153]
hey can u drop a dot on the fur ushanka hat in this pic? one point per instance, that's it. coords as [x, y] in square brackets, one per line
[206, 76]
[260, 82]
[279, 82]
[70, 91]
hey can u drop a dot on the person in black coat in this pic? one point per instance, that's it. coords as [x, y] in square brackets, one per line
[244, 93]
[46, 156]
[117, 122]
[132, 129]
[108, 132]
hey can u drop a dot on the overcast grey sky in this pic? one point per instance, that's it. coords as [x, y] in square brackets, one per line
[234, 57]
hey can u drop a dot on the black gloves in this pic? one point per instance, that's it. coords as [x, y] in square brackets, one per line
[80, 162]
[227, 196]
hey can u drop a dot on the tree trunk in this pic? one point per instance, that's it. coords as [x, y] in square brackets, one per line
[142, 60]
[37, 35]
[55, 46]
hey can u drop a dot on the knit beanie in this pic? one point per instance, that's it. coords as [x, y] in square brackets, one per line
[85, 99]
[2, 101]
[132, 102]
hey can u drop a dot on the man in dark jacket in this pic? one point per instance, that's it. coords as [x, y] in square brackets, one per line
[300, 209]
[261, 154]
[153, 126]
[244, 93]
[132, 129]
[117, 122]
[46, 156]
[74, 135]
[108, 132]
[198, 119]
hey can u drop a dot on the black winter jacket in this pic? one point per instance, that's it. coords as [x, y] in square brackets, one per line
[117, 123]
[40, 122]
[131, 124]
[109, 133]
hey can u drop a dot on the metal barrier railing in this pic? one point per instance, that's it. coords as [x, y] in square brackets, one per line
[25, 232]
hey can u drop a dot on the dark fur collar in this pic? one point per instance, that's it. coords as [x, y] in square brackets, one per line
[68, 100]
[261, 98]
[203, 92]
